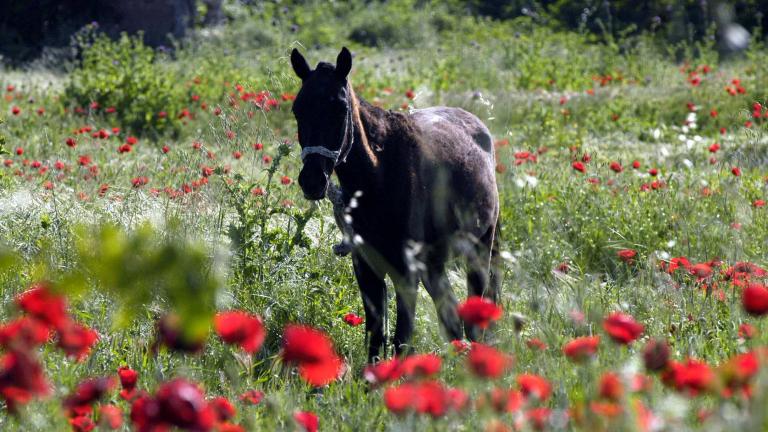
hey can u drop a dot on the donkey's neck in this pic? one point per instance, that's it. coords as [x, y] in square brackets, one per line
[360, 171]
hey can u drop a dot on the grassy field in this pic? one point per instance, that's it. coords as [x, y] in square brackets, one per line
[155, 188]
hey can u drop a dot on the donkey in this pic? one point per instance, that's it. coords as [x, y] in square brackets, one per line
[417, 187]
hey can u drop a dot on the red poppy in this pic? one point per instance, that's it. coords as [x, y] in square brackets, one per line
[21, 379]
[581, 348]
[400, 399]
[536, 343]
[223, 409]
[747, 331]
[578, 166]
[76, 340]
[754, 298]
[534, 385]
[313, 351]
[622, 328]
[656, 355]
[506, 400]
[693, 376]
[610, 387]
[538, 418]
[88, 392]
[353, 319]
[421, 365]
[111, 416]
[82, 423]
[240, 328]
[479, 311]
[616, 167]
[429, 397]
[40, 302]
[736, 171]
[307, 420]
[627, 255]
[253, 397]
[182, 404]
[285, 180]
[737, 373]
[487, 362]
[701, 271]
[606, 409]
[383, 371]
[636, 164]
[24, 333]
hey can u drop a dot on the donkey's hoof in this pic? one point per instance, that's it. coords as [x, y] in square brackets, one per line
[342, 249]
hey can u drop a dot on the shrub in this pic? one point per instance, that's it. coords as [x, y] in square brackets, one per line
[128, 76]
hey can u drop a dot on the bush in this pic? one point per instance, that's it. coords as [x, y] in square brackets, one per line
[125, 75]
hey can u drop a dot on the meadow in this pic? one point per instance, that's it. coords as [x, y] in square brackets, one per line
[160, 268]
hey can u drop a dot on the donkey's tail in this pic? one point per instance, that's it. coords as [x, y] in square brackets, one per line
[497, 264]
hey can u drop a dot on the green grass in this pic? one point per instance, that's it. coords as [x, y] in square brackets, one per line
[275, 259]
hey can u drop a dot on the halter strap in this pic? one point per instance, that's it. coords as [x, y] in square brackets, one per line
[337, 156]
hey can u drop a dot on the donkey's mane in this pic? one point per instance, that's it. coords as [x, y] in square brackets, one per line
[358, 123]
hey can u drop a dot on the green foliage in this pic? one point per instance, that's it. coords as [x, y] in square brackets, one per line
[140, 268]
[128, 76]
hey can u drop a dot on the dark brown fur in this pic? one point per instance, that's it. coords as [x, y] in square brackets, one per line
[418, 186]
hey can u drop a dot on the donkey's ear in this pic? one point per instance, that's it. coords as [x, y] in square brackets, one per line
[300, 65]
[343, 63]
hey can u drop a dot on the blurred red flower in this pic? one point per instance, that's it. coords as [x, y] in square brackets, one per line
[313, 351]
[307, 420]
[487, 362]
[627, 255]
[479, 311]
[754, 298]
[353, 320]
[40, 302]
[656, 355]
[223, 408]
[178, 403]
[610, 387]
[622, 328]
[383, 371]
[240, 328]
[534, 385]
[87, 393]
[111, 416]
[76, 340]
[24, 333]
[581, 348]
[21, 378]
[693, 376]
[420, 365]
[253, 397]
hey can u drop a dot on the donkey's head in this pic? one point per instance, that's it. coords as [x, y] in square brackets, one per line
[323, 110]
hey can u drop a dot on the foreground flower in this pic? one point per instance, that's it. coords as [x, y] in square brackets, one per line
[627, 255]
[383, 371]
[622, 328]
[534, 385]
[178, 403]
[21, 379]
[24, 333]
[656, 355]
[479, 311]
[40, 302]
[307, 420]
[128, 378]
[420, 365]
[313, 351]
[87, 393]
[242, 329]
[581, 348]
[692, 376]
[76, 340]
[427, 397]
[487, 362]
[754, 298]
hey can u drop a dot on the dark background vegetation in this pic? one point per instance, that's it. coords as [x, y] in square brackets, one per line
[28, 27]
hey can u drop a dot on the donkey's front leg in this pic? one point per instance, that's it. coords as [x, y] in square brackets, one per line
[374, 293]
[405, 295]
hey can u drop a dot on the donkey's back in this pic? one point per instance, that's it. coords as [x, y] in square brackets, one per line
[457, 169]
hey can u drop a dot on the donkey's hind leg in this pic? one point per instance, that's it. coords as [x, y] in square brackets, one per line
[438, 287]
